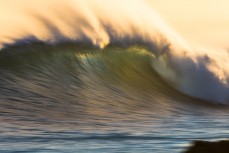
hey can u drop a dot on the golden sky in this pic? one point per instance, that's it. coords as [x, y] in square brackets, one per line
[199, 21]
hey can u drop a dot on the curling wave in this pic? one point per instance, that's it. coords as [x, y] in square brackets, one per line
[67, 71]
[100, 27]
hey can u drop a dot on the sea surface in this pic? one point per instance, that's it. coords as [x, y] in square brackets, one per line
[73, 97]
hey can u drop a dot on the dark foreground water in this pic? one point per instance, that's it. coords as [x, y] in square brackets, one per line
[71, 98]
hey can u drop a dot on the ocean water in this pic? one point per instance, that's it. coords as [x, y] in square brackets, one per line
[71, 98]
[83, 76]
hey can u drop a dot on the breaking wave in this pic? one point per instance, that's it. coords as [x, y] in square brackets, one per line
[98, 45]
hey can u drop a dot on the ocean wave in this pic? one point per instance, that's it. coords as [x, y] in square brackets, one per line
[41, 71]
[98, 27]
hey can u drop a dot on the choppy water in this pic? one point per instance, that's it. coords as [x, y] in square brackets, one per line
[76, 98]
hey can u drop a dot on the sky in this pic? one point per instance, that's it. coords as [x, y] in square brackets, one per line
[200, 22]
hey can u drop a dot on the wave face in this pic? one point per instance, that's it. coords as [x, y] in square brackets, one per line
[34, 70]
